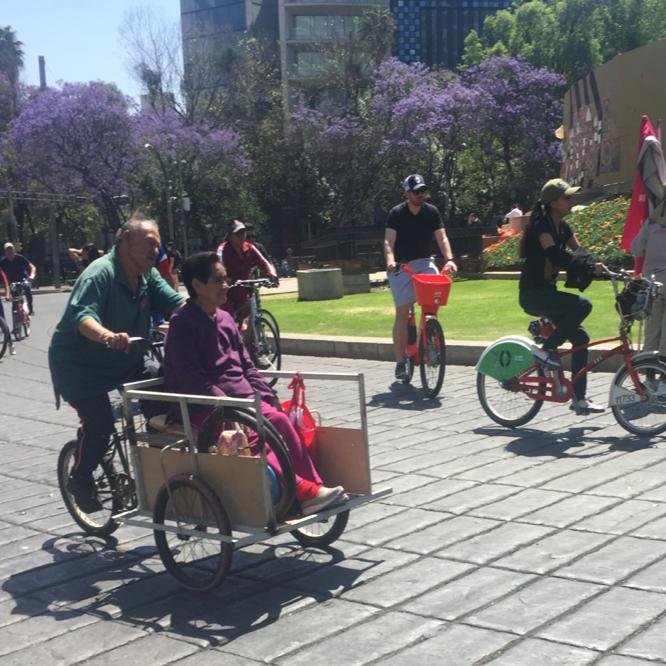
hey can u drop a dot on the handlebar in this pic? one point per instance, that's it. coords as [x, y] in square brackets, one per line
[405, 267]
[255, 283]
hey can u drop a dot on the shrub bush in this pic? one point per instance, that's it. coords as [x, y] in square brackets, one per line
[598, 228]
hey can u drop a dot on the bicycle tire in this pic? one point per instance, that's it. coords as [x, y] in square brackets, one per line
[16, 324]
[432, 357]
[273, 438]
[5, 337]
[266, 314]
[26, 326]
[322, 533]
[506, 399]
[100, 523]
[644, 418]
[193, 505]
[267, 354]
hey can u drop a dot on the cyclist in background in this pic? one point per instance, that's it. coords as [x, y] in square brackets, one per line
[18, 269]
[410, 229]
[240, 257]
[85, 256]
[8, 296]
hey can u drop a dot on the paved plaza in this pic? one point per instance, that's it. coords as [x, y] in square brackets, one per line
[544, 545]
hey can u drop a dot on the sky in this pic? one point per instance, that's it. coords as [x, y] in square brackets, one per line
[78, 38]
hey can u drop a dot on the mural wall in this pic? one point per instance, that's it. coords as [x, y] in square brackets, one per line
[602, 114]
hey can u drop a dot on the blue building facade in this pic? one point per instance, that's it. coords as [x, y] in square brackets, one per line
[433, 31]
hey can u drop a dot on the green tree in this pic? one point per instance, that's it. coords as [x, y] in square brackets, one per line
[474, 52]
[11, 64]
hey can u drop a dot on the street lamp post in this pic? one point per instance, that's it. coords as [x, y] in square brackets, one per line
[184, 203]
[167, 180]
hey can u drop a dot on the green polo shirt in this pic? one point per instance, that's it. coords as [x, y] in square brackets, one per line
[81, 368]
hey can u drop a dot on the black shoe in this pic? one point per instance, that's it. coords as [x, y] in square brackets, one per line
[84, 494]
[400, 371]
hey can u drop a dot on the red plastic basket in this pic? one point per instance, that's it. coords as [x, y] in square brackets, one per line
[431, 290]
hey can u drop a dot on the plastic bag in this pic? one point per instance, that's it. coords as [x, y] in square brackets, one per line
[300, 416]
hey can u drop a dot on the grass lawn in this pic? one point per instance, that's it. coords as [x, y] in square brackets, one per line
[477, 310]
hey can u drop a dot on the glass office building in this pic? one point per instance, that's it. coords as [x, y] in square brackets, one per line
[207, 25]
[433, 31]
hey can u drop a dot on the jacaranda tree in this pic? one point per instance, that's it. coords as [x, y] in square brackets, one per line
[77, 140]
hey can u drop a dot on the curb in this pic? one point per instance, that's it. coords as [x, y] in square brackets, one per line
[458, 352]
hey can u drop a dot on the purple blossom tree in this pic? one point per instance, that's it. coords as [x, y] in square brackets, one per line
[199, 159]
[517, 108]
[77, 140]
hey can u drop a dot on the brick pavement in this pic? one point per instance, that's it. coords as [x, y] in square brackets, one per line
[541, 545]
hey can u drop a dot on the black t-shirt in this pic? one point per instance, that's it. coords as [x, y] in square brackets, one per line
[538, 270]
[15, 270]
[414, 233]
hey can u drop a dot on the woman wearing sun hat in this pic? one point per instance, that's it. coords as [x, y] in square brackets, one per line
[546, 246]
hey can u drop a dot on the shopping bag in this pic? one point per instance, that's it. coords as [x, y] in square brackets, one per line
[300, 416]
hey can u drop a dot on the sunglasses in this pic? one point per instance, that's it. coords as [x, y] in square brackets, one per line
[419, 192]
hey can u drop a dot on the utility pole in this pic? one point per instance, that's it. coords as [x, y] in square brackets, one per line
[53, 227]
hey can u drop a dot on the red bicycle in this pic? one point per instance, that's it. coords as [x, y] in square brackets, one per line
[512, 386]
[426, 346]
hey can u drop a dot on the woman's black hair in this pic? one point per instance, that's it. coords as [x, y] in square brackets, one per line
[539, 212]
[199, 266]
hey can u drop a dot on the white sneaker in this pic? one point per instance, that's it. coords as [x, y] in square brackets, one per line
[586, 406]
[326, 497]
[546, 357]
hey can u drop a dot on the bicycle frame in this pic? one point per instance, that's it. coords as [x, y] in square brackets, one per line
[535, 384]
[412, 349]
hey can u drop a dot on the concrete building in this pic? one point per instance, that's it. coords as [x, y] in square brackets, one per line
[208, 25]
[309, 29]
[433, 31]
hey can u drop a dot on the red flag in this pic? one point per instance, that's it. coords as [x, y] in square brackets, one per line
[648, 184]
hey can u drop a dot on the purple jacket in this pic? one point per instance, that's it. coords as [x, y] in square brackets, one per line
[205, 355]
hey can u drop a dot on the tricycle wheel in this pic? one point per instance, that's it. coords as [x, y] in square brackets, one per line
[196, 559]
[323, 532]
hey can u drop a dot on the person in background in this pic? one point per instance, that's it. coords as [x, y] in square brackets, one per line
[240, 257]
[514, 212]
[85, 256]
[163, 265]
[473, 220]
[649, 250]
[18, 269]
[175, 258]
[410, 229]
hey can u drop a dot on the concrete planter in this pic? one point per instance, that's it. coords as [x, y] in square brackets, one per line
[356, 283]
[319, 284]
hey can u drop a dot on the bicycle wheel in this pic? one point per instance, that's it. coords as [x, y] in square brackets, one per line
[208, 433]
[16, 324]
[271, 318]
[324, 532]
[432, 354]
[505, 402]
[266, 353]
[642, 416]
[100, 523]
[25, 325]
[196, 559]
[5, 337]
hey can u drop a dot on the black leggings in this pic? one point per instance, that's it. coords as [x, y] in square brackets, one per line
[567, 311]
[97, 424]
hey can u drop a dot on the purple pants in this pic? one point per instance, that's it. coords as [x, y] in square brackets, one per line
[304, 468]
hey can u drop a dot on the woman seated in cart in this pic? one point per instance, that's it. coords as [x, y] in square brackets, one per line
[204, 355]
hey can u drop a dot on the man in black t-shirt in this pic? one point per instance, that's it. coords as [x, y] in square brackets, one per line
[410, 229]
[18, 269]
